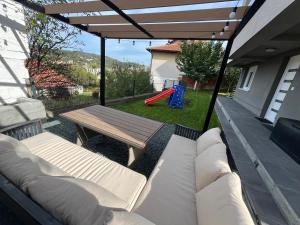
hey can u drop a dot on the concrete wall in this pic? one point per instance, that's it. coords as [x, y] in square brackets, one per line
[163, 67]
[268, 11]
[13, 52]
[291, 105]
[257, 97]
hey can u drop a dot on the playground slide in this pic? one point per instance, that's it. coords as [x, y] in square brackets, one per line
[159, 96]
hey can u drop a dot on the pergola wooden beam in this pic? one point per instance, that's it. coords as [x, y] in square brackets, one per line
[97, 6]
[186, 27]
[180, 16]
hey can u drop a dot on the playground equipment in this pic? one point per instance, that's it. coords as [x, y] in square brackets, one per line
[176, 99]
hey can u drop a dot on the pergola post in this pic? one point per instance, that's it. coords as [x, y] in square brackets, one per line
[102, 68]
[218, 84]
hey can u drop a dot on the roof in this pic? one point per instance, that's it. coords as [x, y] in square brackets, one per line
[213, 21]
[172, 47]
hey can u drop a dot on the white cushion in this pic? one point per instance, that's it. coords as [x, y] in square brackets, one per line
[125, 218]
[20, 166]
[222, 203]
[210, 165]
[81, 163]
[208, 139]
[169, 195]
[74, 201]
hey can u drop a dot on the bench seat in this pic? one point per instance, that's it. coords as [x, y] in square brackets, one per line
[169, 195]
[80, 163]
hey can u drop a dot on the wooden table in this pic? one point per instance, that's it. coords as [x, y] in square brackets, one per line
[125, 127]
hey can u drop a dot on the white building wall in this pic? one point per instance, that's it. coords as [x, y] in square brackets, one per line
[268, 11]
[13, 52]
[164, 67]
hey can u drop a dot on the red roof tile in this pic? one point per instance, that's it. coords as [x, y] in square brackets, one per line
[173, 46]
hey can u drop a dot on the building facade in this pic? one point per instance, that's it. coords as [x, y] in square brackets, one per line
[13, 52]
[268, 50]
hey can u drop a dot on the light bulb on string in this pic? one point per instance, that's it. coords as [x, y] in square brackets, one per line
[119, 41]
[222, 33]
[133, 43]
[213, 36]
[150, 43]
[226, 28]
[232, 15]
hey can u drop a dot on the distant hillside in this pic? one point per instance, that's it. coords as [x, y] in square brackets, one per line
[93, 60]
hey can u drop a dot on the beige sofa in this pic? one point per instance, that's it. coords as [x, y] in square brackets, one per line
[191, 184]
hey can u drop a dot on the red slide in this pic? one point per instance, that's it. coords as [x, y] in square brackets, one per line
[159, 96]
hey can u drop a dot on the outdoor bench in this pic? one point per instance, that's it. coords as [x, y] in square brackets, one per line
[192, 183]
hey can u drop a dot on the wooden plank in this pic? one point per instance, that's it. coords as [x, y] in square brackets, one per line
[96, 6]
[179, 16]
[179, 27]
[141, 121]
[120, 122]
[125, 127]
[106, 130]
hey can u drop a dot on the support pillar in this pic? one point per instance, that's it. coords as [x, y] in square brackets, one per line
[102, 68]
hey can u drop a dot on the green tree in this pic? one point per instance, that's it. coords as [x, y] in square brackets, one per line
[200, 61]
[80, 76]
[121, 78]
[47, 37]
[231, 78]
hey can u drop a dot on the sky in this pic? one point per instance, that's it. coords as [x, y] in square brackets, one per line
[125, 50]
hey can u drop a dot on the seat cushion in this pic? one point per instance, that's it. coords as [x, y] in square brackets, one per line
[124, 218]
[208, 139]
[222, 203]
[210, 165]
[74, 201]
[20, 166]
[169, 195]
[84, 164]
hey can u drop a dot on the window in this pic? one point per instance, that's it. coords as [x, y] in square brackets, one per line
[248, 79]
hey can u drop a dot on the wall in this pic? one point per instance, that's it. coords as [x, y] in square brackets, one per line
[263, 84]
[163, 67]
[13, 52]
[268, 11]
[290, 107]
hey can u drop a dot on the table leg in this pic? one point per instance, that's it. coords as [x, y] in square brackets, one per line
[133, 155]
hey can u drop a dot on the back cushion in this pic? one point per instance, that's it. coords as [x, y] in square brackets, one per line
[208, 139]
[210, 165]
[74, 201]
[222, 203]
[20, 166]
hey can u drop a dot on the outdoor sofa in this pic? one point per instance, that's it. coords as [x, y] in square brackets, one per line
[191, 184]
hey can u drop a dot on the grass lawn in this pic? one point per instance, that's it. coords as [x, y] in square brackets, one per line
[192, 115]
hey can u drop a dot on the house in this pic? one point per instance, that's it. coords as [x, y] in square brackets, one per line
[268, 50]
[164, 69]
[13, 52]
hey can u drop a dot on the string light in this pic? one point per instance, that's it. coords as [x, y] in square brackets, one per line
[119, 41]
[222, 33]
[232, 15]
[150, 43]
[213, 36]
[133, 43]
[226, 28]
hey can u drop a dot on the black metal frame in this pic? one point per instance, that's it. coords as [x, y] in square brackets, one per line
[102, 79]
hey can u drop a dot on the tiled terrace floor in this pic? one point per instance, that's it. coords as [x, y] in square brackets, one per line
[256, 154]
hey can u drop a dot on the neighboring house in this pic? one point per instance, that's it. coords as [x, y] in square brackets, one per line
[163, 65]
[13, 52]
[268, 50]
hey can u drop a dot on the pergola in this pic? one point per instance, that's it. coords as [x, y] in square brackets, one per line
[222, 24]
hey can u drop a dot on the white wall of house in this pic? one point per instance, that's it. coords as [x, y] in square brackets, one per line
[13, 52]
[163, 67]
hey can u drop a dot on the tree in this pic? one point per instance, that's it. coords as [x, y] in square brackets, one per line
[80, 76]
[231, 78]
[200, 61]
[47, 37]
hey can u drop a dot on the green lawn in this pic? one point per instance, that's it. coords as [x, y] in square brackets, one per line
[192, 115]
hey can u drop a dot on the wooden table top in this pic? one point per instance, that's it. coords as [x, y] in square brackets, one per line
[125, 127]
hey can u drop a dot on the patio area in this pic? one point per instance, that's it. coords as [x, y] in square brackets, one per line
[258, 159]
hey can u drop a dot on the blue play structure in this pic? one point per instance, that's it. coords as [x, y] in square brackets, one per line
[176, 100]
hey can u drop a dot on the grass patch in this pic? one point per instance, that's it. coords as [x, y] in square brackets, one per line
[192, 115]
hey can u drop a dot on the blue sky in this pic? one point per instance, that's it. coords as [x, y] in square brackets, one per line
[125, 51]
